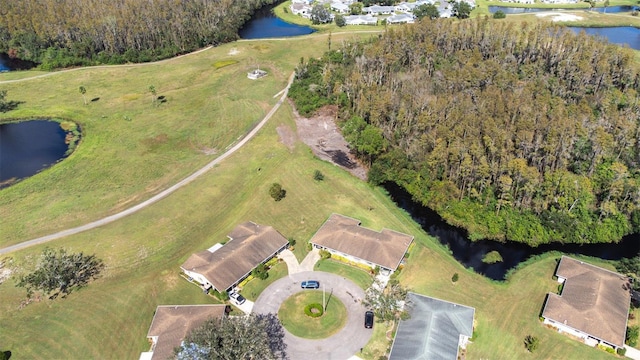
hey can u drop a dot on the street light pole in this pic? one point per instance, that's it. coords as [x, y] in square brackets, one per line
[324, 305]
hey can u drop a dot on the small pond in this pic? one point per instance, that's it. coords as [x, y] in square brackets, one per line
[621, 35]
[521, 10]
[29, 147]
[9, 64]
[264, 24]
[470, 253]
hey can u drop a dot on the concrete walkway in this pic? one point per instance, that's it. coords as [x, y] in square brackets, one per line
[345, 343]
[307, 264]
[632, 353]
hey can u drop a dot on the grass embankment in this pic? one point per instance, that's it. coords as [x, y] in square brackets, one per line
[254, 288]
[294, 319]
[132, 148]
[360, 277]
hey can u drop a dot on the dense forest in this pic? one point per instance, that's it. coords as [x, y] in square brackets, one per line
[62, 33]
[522, 132]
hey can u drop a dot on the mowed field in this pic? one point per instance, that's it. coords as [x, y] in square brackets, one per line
[132, 149]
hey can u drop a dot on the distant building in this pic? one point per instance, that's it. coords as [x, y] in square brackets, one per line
[400, 19]
[301, 9]
[345, 237]
[593, 305]
[435, 330]
[360, 20]
[172, 323]
[378, 10]
[223, 267]
[256, 74]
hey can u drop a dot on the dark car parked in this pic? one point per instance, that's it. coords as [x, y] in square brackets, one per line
[368, 319]
[310, 284]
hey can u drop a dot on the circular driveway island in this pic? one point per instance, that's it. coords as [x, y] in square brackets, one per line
[342, 345]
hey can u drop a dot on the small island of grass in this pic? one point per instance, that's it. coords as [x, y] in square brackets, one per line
[294, 317]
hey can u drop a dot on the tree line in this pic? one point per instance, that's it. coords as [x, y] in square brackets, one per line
[62, 33]
[525, 132]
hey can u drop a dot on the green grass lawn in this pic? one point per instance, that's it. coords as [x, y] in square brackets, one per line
[360, 277]
[294, 319]
[119, 163]
[254, 288]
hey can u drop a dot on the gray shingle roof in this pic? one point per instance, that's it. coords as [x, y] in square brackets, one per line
[250, 245]
[433, 330]
[594, 301]
[344, 234]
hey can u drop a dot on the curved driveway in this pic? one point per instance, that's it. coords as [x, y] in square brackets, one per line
[341, 346]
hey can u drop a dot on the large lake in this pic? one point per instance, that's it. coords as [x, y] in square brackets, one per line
[28, 147]
[264, 24]
[621, 35]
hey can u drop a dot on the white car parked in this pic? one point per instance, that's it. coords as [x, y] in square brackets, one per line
[237, 298]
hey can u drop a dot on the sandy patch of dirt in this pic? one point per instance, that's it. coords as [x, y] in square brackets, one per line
[321, 134]
[561, 17]
[287, 136]
[233, 51]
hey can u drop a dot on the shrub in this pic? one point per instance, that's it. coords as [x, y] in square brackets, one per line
[634, 13]
[324, 254]
[455, 277]
[277, 192]
[224, 296]
[499, 15]
[309, 246]
[531, 343]
[632, 335]
[622, 351]
[260, 272]
[318, 176]
[315, 306]
[292, 241]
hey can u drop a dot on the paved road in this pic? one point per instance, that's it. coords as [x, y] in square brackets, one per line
[159, 196]
[341, 346]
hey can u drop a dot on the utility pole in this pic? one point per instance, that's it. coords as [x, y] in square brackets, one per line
[324, 305]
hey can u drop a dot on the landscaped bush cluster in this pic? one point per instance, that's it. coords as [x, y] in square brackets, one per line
[606, 348]
[309, 312]
[324, 254]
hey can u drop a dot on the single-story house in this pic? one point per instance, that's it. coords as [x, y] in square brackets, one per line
[343, 236]
[340, 7]
[378, 10]
[593, 304]
[172, 323]
[400, 19]
[436, 329]
[223, 267]
[360, 20]
[301, 9]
